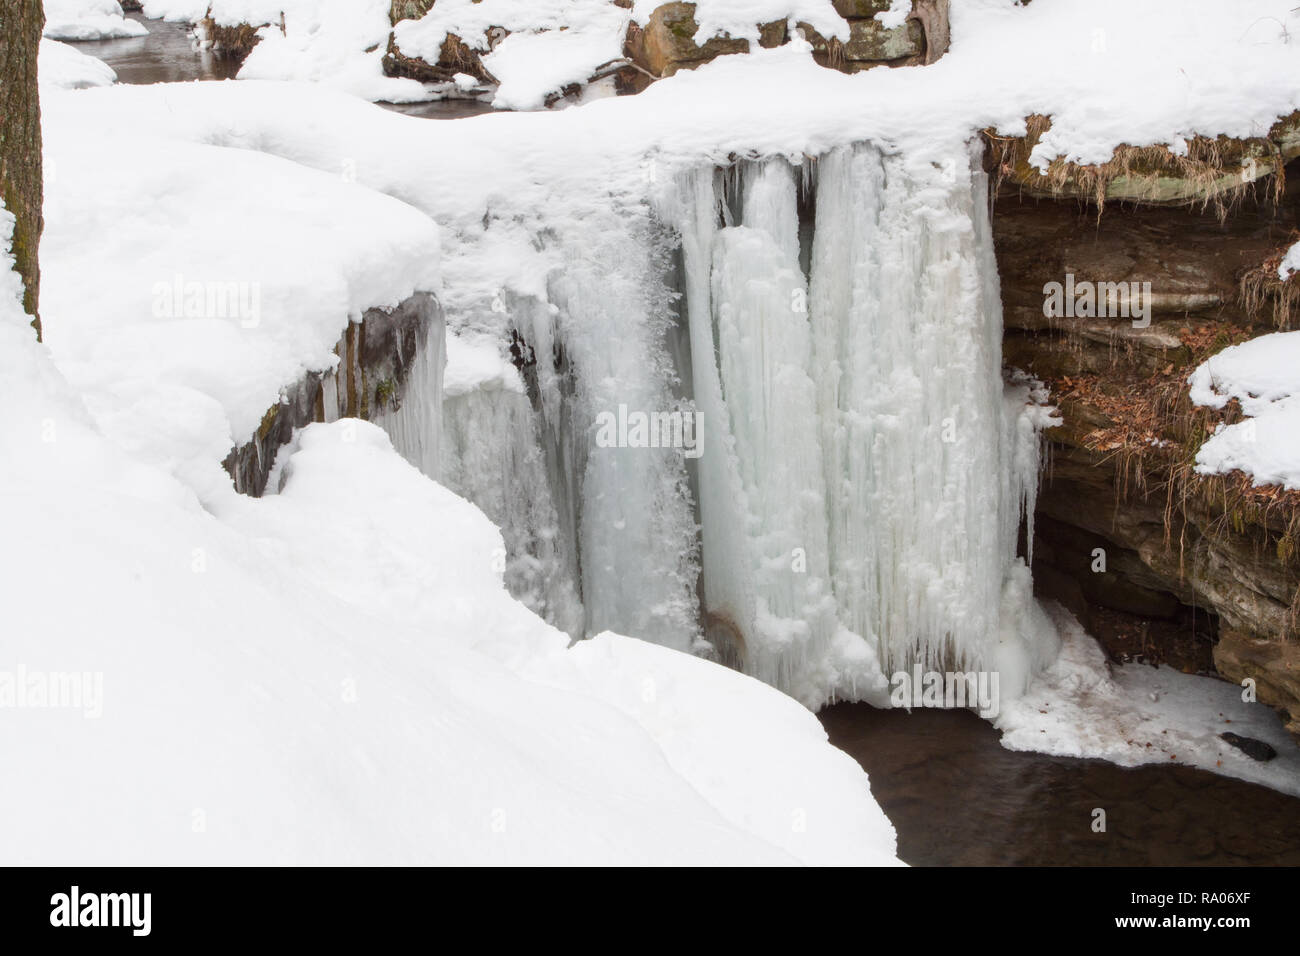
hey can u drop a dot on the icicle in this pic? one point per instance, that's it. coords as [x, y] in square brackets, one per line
[492, 455]
[636, 522]
[415, 426]
[869, 437]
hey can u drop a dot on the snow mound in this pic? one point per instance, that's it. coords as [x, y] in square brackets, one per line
[231, 274]
[1133, 715]
[67, 68]
[1264, 376]
[532, 66]
[88, 20]
[339, 43]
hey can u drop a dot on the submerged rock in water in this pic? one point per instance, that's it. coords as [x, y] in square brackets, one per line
[1252, 748]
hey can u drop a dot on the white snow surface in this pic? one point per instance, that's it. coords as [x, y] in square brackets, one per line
[1082, 707]
[476, 362]
[67, 68]
[339, 43]
[1263, 374]
[88, 20]
[531, 66]
[551, 43]
[1106, 71]
[276, 663]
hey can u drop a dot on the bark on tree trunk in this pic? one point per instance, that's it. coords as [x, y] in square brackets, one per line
[21, 189]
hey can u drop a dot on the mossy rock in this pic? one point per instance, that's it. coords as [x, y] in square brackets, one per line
[863, 9]
[409, 9]
[668, 41]
[872, 41]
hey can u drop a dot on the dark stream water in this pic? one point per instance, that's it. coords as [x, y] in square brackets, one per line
[955, 796]
[958, 798]
[166, 55]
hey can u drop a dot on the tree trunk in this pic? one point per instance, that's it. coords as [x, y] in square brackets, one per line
[21, 188]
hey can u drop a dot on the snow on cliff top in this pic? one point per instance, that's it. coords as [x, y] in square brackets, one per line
[186, 283]
[1107, 71]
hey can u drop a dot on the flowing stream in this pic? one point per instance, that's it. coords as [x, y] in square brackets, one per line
[958, 798]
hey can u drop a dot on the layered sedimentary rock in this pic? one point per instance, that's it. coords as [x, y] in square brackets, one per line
[1161, 563]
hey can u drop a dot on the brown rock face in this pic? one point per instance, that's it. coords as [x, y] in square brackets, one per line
[1196, 572]
[1274, 666]
[233, 42]
[871, 41]
[409, 9]
[375, 358]
[668, 42]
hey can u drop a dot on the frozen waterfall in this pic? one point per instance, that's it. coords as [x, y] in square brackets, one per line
[872, 470]
[854, 499]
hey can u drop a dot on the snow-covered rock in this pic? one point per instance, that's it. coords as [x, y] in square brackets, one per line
[67, 68]
[338, 43]
[88, 20]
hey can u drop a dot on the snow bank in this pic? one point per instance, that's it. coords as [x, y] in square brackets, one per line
[67, 68]
[1132, 715]
[1161, 72]
[230, 274]
[88, 20]
[1264, 376]
[339, 43]
[1107, 72]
